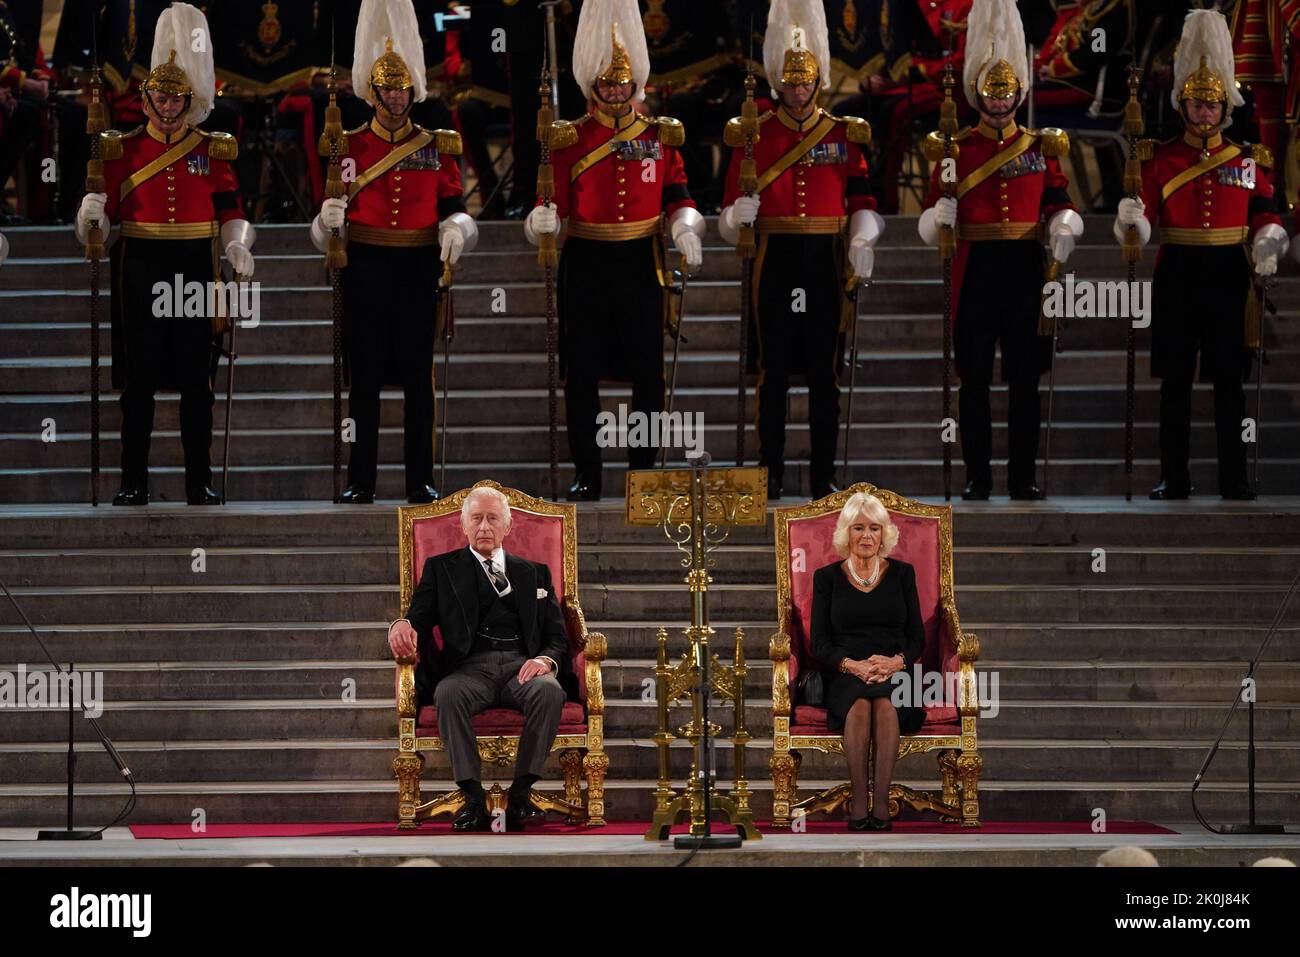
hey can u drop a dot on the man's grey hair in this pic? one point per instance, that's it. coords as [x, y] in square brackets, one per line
[489, 492]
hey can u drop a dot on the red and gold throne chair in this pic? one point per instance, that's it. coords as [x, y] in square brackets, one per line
[542, 532]
[803, 544]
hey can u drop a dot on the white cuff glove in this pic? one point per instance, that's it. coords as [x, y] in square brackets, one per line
[1063, 231]
[689, 245]
[945, 211]
[744, 211]
[333, 212]
[1269, 244]
[91, 210]
[1132, 212]
[450, 242]
[862, 259]
[542, 220]
[240, 259]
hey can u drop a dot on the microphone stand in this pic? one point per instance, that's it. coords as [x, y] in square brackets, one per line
[69, 833]
[1252, 826]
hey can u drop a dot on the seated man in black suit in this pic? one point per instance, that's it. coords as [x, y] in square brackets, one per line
[503, 641]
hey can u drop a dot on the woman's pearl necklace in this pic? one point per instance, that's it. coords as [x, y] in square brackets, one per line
[871, 580]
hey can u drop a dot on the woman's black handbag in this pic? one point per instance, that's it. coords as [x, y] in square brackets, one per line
[812, 688]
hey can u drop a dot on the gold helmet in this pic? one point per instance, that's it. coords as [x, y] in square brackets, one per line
[388, 52]
[168, 78]
[178, 68]
[796, 46]
[1203, 63]
[798, 67]
[390, 70]
[610, 46]
[996, 64]
[620, 66]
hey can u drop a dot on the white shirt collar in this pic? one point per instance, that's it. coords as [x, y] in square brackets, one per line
[498, 558]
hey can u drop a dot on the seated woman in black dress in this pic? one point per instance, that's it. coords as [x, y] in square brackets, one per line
[866, 625]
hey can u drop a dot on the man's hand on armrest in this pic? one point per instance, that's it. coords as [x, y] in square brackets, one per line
[533, 667]
[402, 639]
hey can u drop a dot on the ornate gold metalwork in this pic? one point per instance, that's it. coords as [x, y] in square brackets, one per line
[620, 67]
[696, 512]
[1204, 84]
[958, 758]
[502, 750]
[1000, 82]
[798, 67]
[168, 78]
[390, 70]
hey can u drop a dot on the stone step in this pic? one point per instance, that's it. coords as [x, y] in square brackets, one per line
[375, 799]
[633, 678]
[157, 762]
[257, 719]
[1062, 522]
[1044, 604]
[698, 368]
[1071, 441]
[899, 255]
[292, 642]
[25, 412]
[315, 483]
[624, 564]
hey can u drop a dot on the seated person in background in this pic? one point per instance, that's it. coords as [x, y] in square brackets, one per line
[866, 624]
[503, 640]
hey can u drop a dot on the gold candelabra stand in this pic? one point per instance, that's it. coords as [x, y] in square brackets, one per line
[697, 509]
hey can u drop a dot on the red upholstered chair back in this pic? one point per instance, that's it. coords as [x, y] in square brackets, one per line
[540, 531]
[804, 536]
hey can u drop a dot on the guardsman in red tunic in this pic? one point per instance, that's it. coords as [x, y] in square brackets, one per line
[1009, 184]
[812, 210]
[1213, 202]
[618, 176]
[404, 216]
[172, 190]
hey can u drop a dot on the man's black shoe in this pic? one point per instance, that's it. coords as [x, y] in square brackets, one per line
[202, 495]
[1239, 492]
[584, 489]
[132, 495]
[1164, 492]
[822, 489]
[422, 495]
[357, 496]
[1027, 493]
[473, 817]
[977, 491]
[523, 814]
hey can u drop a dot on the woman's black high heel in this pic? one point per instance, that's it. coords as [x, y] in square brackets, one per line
[860, 823]
[873, 823]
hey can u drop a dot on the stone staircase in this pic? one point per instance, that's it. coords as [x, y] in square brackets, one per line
[281, 442]
[225, 689]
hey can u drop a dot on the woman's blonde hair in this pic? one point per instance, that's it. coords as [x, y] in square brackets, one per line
[860, 503]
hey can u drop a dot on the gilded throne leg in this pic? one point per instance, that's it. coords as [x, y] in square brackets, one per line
[948, 773]
[407, 769]
[595, 765]
[571, 765]
[782, 767]
[969, 767]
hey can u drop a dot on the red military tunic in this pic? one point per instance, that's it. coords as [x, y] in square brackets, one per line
[190, 197]
[1011, 200]
[1222, 205]
[615, 176]
[402, 185]
[821, 189]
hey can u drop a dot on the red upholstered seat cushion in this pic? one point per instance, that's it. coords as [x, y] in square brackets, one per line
[503, 720]
[810, 720]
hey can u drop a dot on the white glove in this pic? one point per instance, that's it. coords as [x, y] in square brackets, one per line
[4, 249]
[240, 259]
[333, 212]
[543, 220]
[1270, 242]
[1266, 265]
[862, 259]
[1062, 246]
[91, 210]
[945, 211]
[1131, 211]
[450, 242]
[745, 210]
[689, 245]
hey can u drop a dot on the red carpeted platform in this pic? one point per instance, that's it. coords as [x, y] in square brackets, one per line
[176, 832]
